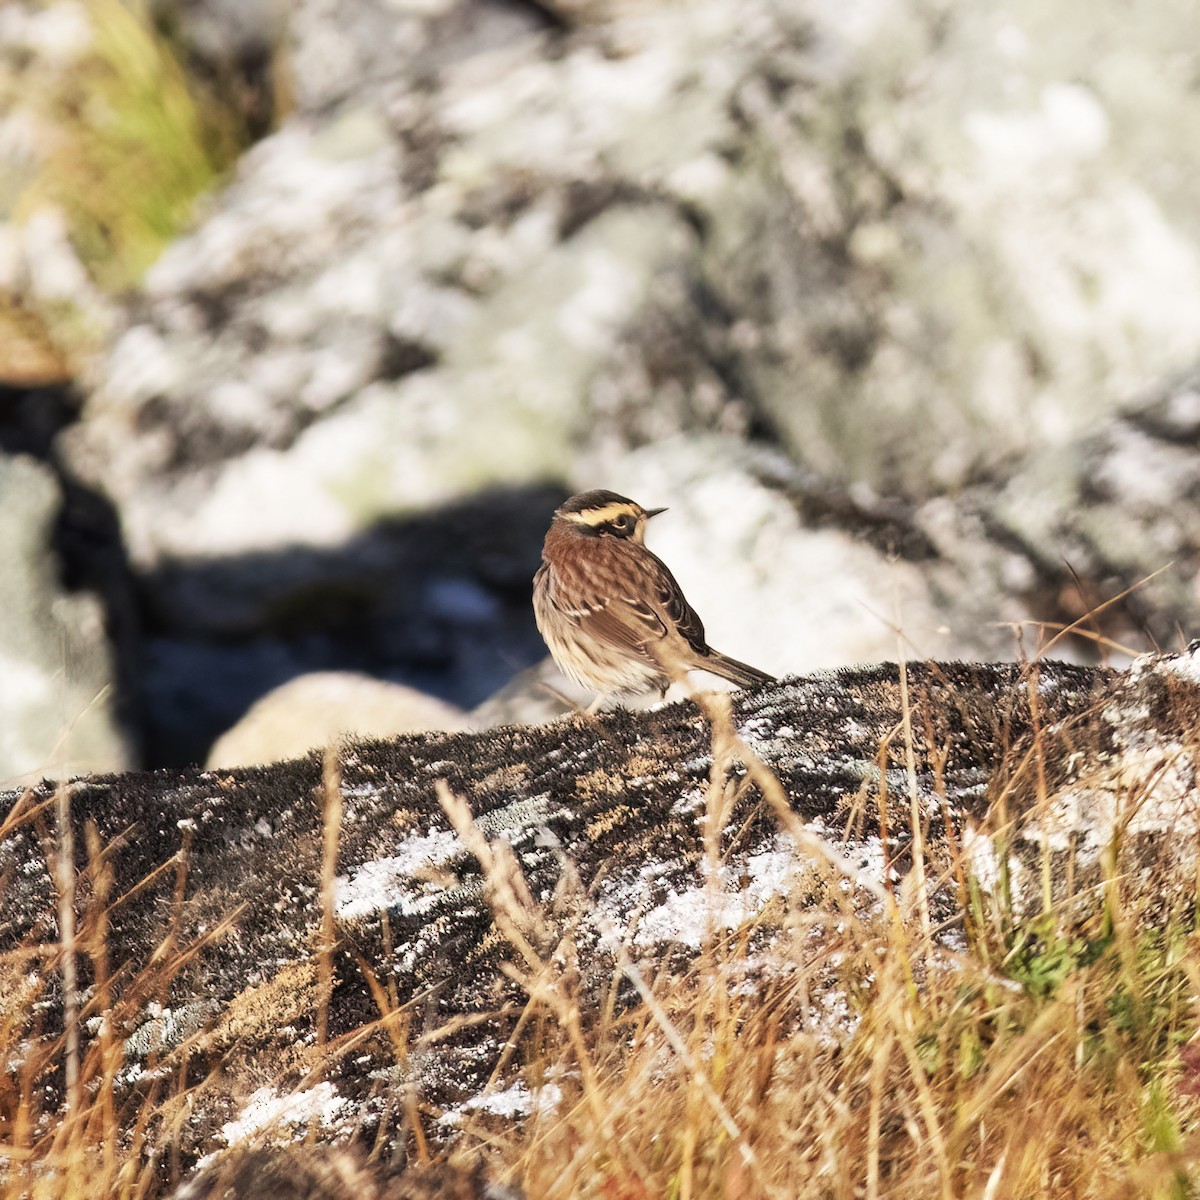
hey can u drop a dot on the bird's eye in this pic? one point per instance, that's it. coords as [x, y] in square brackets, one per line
[622, 524]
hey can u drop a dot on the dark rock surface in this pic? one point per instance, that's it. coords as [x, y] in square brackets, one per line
[217, 951]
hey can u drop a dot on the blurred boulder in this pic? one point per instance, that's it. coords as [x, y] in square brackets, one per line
[467, 267]
[873, 273]
[313, 710]
[56, 671]
[950, 235]
[1112, 519]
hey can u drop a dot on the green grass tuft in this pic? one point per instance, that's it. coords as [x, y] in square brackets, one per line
[131, 144]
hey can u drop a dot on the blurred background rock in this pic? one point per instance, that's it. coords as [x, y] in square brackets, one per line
[311, 313]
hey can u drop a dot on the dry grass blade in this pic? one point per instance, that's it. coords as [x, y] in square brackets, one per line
[64, 874]
[916, 816]
[331, 827]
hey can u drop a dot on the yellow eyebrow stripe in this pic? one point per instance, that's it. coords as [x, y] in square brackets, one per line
[601, 516]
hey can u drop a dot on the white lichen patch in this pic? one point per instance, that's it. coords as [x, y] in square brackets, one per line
[1183, 666]
[266, 1108]
[165, 1028]
[831, 1019]
[736, 894]
[693, 800]
[520, 817]
[515, 1101]
[757, 729]
[771, 737]
[406, 882]
[1148, 786]
[395, 882]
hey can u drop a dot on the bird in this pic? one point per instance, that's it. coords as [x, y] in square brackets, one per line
[610, 611]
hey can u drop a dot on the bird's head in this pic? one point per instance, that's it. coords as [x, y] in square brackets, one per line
[605, 514]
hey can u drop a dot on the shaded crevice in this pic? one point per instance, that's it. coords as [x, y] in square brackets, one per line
[440, 601]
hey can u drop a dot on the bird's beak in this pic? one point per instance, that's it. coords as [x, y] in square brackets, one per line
[653, 512]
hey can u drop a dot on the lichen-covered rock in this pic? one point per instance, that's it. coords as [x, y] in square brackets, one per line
[606, 821]
[939, 234]
[1113, 505]
[429, 286]
[57, 714]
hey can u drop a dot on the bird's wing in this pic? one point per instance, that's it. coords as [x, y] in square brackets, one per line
[635, 625]
[678, 611]
[621, 621]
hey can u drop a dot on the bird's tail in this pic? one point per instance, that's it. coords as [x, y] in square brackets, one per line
[740, 673]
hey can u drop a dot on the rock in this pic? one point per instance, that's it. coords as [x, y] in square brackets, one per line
[876, 280]
[1113, 506]
[235, 49]
[1090, 545]
[312, 711]
[231, 471]
[314, 1173]
[605, 817]
[56, 670]
[941, 243]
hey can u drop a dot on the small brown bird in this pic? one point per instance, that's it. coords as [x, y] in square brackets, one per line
[611, 612]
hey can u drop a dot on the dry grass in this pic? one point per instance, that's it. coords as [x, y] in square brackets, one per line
[845, 1049]
[967, 1085]
[1031, 1062]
